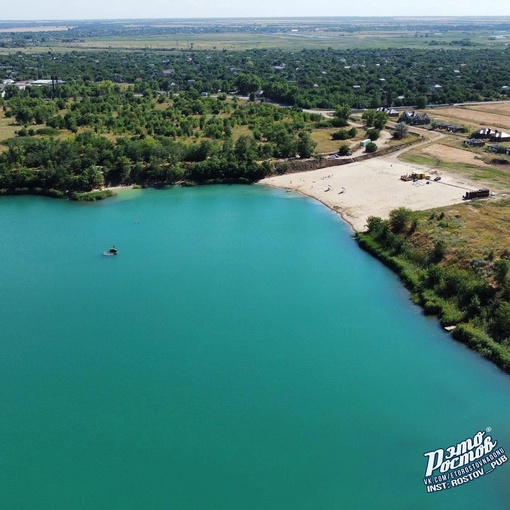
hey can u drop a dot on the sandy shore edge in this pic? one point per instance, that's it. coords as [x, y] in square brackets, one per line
[373, 188]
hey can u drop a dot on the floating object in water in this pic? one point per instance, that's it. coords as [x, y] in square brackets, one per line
[111, 251]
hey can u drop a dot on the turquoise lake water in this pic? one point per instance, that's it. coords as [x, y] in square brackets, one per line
[241, 352]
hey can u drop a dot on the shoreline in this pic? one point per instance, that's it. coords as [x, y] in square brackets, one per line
[373, 188]
[308, 195]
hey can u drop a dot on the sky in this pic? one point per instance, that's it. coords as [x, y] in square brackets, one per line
[122, 9]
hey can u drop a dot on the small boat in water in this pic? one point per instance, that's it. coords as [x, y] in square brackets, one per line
[111, 251]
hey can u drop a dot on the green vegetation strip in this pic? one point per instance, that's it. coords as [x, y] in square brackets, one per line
[460, 287]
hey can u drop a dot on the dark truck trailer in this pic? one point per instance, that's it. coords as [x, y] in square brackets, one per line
[480, 193]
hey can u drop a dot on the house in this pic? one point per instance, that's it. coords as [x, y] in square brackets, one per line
[491, 134]
[22, 85]
[390, 111]
[483, 133]
[414, 118]
[499, 136]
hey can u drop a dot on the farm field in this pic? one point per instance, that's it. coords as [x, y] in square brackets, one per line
[475, 116]
[292, 34]
[292, 41]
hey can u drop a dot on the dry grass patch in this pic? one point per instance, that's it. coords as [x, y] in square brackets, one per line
[7, 130]
[474, 230]
[325, 144]
[473, 117]
[452, 154]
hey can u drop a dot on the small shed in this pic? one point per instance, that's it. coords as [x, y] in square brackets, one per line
[365, 142]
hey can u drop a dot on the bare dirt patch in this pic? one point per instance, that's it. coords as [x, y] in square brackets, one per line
[451, 154]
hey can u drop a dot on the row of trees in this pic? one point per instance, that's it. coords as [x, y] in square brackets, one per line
[89, 161]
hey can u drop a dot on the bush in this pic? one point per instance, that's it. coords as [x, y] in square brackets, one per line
[400, 218]
[371, 147]
[341, 134]
[439, 250]
[500, 323]
[373, 134]
[344, 150]
[401, 131]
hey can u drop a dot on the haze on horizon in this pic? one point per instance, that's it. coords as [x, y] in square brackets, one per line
[134, 9]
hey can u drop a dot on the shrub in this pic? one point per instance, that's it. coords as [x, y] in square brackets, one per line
[341, 134]
[439, 250]
[344, 150]
[373, 134]
[401, 131]
[371, 147]
[400, 218]
[499, 327]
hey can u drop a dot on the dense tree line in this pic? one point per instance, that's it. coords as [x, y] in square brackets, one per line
[307, 79]
[159, 121]
[124, 137]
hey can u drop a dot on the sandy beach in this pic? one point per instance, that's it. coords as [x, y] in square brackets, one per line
[373, 188]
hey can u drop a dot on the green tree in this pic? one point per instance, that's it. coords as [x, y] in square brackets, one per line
[400, 219]
[344, 150]
[500, 323]
[342, 114]
[245, 149]
[247, 83]
[305, 145]
[401, 131]
[421, 102]
[371, 147]
[501, 267]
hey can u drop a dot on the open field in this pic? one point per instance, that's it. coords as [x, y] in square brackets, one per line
[476, 116]
[287, 41]
[284, 33]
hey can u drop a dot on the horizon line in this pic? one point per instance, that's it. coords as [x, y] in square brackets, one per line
[399, 16]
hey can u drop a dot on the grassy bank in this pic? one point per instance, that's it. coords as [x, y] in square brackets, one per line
[455, 262]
